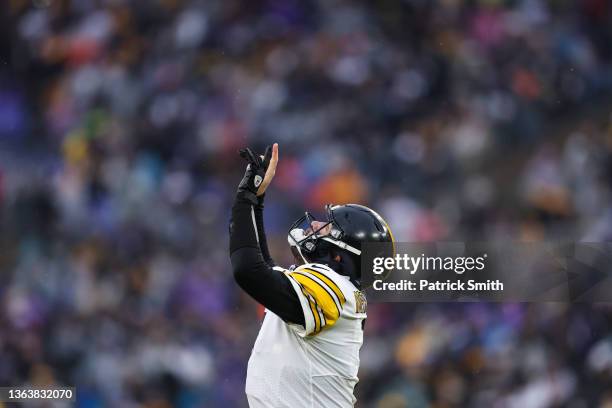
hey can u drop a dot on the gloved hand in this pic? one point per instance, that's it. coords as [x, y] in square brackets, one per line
[257, 177]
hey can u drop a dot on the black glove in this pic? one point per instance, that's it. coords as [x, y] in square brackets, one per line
[254, 175]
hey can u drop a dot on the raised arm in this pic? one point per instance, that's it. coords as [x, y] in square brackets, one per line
[251, 261]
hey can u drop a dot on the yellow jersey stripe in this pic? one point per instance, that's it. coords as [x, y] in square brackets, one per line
[322, 297]
[315, 314]
[325, 286]
[332, 285]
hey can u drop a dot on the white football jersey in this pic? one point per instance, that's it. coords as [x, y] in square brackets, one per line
[313, 366]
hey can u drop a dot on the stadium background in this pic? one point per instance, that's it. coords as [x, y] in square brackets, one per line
[119, 126]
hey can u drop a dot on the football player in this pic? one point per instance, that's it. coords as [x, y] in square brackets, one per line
[307, 350]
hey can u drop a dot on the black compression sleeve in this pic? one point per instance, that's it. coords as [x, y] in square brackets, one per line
[269, 287]
[261, 232]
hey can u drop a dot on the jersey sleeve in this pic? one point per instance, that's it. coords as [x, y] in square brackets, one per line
[320, 296]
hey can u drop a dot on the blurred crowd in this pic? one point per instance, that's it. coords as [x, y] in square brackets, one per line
[466, 120]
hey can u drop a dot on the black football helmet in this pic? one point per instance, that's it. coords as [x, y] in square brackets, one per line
[344, 230]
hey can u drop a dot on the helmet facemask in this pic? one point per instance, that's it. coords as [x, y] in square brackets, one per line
[303, 239]
[308, 243]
